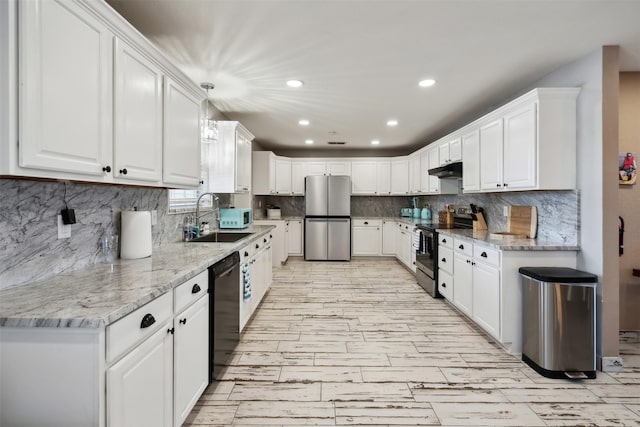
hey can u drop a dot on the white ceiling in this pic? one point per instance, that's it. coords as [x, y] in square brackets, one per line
[361, 60]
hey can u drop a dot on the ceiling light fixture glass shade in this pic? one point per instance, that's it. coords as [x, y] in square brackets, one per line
[295, 83]
[426, 83]
[208, 127]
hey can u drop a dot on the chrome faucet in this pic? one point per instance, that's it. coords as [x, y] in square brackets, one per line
[216, 210]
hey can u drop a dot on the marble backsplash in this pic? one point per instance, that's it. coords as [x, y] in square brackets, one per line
[558, 211]
[29, 246]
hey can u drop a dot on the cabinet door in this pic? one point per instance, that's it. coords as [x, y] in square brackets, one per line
[65, 82]
[414, 174]
[389, 237]
[283, 176]
[434, 181]
[366, 240]
[191, 357]
[455, 150]
[463, 277]
[383, 178]
[243, 162]
[295, 237]
[400, 177]
[364, 177]
[520, 148]
[424, 172]
[486, 298]
[339, 168]
[443, 154]
[181, 142]
[491, 138]
[471, 162]
[445, 285]
[140, 385]
[138, 116]
[302, 169]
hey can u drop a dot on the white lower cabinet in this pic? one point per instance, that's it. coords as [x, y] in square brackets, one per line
[485, 284]
[256, 257]
[279, 240]
[191, 358]
[140, 385]
[365, 236]
[389, 237]
[404, 246]
[296, 237]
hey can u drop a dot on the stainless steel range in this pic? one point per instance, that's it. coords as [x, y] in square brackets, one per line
[427, 257]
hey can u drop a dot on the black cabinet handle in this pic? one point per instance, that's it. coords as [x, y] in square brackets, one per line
[270, 236]
[123, 171]
[183, 321]
[106, 169]
[461, 247]
[444, 285]
[483, 254]
[257, 246]
[444, 260]
[147, 321]
[171, 331]
[473, 263]
[468, 261]
[196, 288]
[246, 253]
[201, 181]
[366, 223]
[264, 240]
[506, 184]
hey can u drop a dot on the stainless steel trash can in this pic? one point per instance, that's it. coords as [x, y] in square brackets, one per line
[559, 321]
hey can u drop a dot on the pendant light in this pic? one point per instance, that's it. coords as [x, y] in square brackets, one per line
[209, 132]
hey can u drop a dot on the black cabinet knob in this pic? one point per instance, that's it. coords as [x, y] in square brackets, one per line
[246, 253]
[366, 223]
[196, 288]
[461, 247]
[201, 181]
[270, 236]
[473, 263]
[183, 321]
[443, 260]
[257, 246]
[106, 169]
[147, 321]
[444, 285]
[123, 171]
[444, 240]
[468, 261]
[483, 254]
[264, 240]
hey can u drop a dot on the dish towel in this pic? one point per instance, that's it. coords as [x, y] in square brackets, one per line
[246, 279]
[418, 241]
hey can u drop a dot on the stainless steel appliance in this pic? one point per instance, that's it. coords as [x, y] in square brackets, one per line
[235, 217]
[427, 256]
[224, 313]
[327, 225]
[559, 321]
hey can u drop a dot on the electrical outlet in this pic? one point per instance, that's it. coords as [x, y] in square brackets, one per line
[154, 217]
[505, 210]
[612, 364]
[64, 231]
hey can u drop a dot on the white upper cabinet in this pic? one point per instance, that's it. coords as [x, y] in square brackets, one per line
[181, 142]
[283, 176]
[471, 165]
[434, 162]
[491, 140]
[364, 177]
[400, 177]
[425, 179]
[230, 159]
[383, 181]
[138, 116]
[414, 173]
[65, 81]
[519, 146]
[338, 168]
[90, 100]
[263, 173]
[300, 169]
[450, 151]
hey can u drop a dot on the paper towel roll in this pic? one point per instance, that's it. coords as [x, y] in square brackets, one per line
[135, 234]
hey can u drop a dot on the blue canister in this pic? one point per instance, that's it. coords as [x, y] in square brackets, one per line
[426, 213]
[416, 212]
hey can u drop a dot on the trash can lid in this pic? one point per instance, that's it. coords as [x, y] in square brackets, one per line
[558, 275]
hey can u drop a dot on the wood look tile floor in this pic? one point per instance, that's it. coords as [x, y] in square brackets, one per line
[361, 343]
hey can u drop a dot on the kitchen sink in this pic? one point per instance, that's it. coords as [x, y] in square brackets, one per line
[221, 237]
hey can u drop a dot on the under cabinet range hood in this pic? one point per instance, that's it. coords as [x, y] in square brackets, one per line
[451, 170]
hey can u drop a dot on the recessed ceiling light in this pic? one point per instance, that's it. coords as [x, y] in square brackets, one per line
[392, 123]
[308, 141]
[295, 83]
[375, 142]
[426, 83]
[303, 122]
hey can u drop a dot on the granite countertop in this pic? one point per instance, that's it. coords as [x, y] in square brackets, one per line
[99, 295]
[510, 244]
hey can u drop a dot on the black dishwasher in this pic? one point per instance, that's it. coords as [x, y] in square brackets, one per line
[224, 313]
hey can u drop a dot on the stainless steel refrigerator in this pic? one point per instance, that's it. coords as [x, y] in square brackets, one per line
[327, 222]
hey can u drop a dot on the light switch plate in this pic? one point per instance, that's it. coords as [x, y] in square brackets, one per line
[64, 231]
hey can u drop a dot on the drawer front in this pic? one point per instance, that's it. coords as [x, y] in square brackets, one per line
[365, 222]
[127, 331]
[246, 253]
[445, 285]
[445, 259]
[486, 255]
[190, 291]
[463, 246]
[445, 240]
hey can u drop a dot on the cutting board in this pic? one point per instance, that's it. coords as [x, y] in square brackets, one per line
[523, 220]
